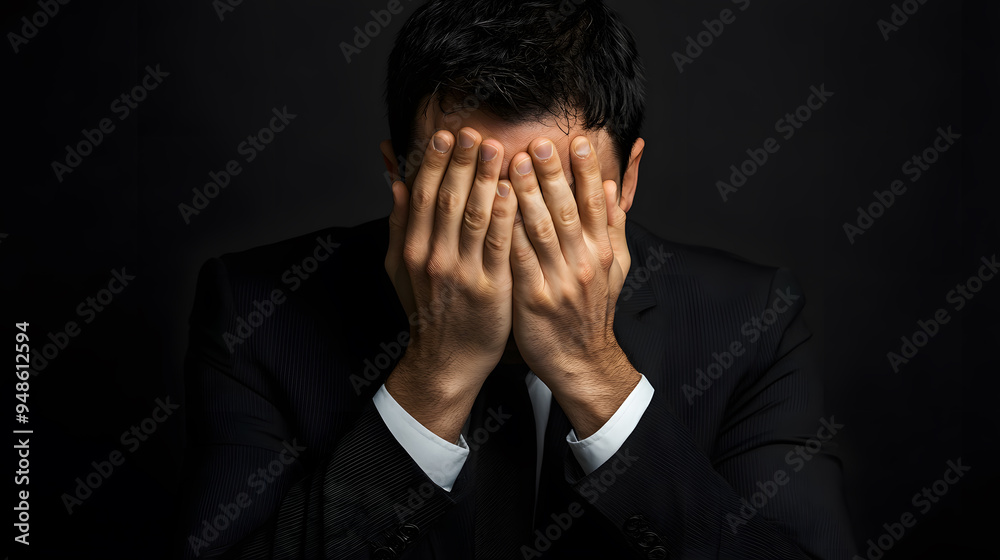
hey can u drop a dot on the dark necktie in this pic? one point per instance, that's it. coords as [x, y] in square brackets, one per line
[553, 492]
[501, 436]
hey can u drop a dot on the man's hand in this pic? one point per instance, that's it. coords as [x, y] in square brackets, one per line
[449, 260]
[569, 261]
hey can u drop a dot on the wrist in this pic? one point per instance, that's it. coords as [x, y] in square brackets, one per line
[440, 400]
[594, 399]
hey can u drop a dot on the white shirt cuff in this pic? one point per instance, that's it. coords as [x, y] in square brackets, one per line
[440, 460]
[604, 443]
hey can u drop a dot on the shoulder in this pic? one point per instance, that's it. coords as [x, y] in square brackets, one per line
[312, 268]
[703, 279]
[333, 243]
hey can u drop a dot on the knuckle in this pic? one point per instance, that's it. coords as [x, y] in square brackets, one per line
[448, 202]
[465, 157]
[543, 230]
[550, 171]
[495, 241]
[488, 169]
[605, 256]
[439, 267]
[482, 289]
[531, 188]
[586, 274]
[421, 200]
[523, 253]
[412, 256]
[499, 212]
[433, 162]
[567, 215]
[595, 202]
[592, 172]
[476, 218]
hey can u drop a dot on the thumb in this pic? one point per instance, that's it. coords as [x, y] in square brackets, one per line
[616, 228]
[397, 226]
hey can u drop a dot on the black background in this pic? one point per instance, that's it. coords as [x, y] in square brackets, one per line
[119, 207]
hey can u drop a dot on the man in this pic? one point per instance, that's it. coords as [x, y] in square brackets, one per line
[536, 376]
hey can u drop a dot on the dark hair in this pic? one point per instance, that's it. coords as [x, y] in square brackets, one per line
[519, 61]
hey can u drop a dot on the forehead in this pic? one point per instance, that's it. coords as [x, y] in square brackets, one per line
[515, 137]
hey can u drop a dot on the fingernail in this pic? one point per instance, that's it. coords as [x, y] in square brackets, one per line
[583, 148]
[466, 140]
[503, 189]
[441, 144]
[487, 152]
[543, 151]
[524, 166]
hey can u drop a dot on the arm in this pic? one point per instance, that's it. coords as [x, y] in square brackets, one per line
[765, 492]
[453, 236]
[239, 437]
[660, 490]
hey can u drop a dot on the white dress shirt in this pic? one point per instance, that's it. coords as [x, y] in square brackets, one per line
[442, 460]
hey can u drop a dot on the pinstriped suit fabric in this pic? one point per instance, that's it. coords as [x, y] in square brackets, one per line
[308, 369]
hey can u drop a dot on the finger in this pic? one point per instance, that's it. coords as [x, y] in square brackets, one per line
[524, 264]
[537, 221]
[559, 199]
[423, 196]
[397, 226]
[477, 210]
[498, 239]
[454, 192]
[616, 227]
[590, 197]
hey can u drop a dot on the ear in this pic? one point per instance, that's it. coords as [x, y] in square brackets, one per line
[631, 178]
[389, 156]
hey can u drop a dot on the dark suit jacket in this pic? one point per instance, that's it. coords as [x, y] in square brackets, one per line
[288, 457]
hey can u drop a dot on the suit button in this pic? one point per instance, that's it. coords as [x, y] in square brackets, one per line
[397, 541]
[635, 525]
[648, 539]
[383, 553]
[657, 553]
[409, 531]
